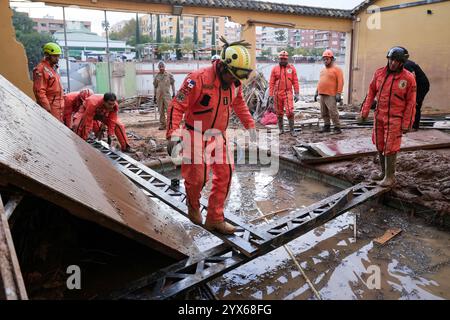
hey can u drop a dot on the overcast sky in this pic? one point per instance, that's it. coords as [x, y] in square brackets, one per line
[38, 10]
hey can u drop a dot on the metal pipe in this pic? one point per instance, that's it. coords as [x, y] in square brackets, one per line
[107, 52]
[66, 50]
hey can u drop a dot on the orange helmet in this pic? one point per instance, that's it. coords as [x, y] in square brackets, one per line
[85, 93]
[328, 53]
[283, 55]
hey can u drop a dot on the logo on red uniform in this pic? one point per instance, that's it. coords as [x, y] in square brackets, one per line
[402, 84]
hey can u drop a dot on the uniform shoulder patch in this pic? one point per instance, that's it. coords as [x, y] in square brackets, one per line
[402, 84]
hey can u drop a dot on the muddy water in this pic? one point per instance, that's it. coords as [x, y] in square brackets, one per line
[413, 265]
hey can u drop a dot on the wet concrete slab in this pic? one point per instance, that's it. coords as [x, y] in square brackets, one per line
[40, 155]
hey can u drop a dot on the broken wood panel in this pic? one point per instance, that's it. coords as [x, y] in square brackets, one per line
[12, 286]
[42, 156]
[388, 235]
[352, 148]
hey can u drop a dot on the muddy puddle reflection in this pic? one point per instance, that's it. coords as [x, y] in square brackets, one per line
[413, 265]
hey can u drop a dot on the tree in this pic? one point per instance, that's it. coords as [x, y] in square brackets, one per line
[178, 41]
[188, 46]
[158, 36]
[213, 38]
[280, 35]
[195, 35]
[267, 53]
[30, 38]
[126, 32]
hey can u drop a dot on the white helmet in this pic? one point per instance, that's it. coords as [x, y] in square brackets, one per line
[215, 57]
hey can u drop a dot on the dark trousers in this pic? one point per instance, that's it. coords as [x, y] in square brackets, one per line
[419, 100]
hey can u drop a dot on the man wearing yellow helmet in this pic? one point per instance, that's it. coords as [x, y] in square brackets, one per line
[47, 86]
[206, 99]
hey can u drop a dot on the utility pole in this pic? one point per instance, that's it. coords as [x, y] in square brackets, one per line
[138, 40]
[66, 50]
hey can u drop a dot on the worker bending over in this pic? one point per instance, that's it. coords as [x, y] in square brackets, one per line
[99, 111]
[72, 103]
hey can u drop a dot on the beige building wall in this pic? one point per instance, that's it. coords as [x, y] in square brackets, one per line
[14, 66]
[425, 36]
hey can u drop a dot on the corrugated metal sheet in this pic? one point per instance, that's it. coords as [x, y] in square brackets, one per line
[40, 155]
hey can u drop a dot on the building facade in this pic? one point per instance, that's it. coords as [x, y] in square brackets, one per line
[168, 26]
[48, 24]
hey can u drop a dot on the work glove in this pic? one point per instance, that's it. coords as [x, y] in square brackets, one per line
[173, 95]
[271, 100]
[171, 144]
[154, 98]
[252, 133]
[338, 97]
[109, 140]
[361, 120]
[296, 98]
[315, 96]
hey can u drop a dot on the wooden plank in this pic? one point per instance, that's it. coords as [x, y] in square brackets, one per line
[42, 156]
[388, 235]
[362, 147]
[12, 286]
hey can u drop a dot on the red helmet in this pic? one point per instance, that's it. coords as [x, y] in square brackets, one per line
[328, 53]
[283, 55]
[85, 93]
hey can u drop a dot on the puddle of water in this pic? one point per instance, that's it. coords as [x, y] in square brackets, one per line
[413, 265]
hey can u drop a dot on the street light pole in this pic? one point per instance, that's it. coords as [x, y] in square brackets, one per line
[66, 50]
[107, 51]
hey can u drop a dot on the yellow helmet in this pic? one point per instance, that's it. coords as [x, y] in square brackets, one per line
[236, 58]
[51, 48]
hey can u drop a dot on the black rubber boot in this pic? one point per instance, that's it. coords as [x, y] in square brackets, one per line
[325, 128]
[280, 125]
[337, 130]
[291, 127]
[389, 178]
[380, 176]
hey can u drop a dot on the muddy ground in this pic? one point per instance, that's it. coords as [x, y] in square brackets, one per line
[423, 177]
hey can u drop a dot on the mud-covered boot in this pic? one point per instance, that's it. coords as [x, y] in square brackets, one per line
[291, 127]
[219, 226]
[380, 176]
[194, 215]
[337, 130]
[325, 128]
[280, 125]
[389, 178]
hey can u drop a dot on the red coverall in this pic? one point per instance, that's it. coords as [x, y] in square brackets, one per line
[396, 102]
[72, 104]
[202, 100]
[282, 80]
[48, 90]
[91, 116]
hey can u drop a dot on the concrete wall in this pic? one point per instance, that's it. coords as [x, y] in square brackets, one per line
[14, 63]
[426, 37]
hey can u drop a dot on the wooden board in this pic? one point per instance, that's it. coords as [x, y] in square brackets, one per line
[11, 281]
[388, 235]
[42, 156]
[335, 150]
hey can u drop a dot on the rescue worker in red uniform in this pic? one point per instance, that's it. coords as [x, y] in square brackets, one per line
[47, 86]
[72, 103]
[99, 110]
[206, 99]
[282, 80]
[394, 89]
